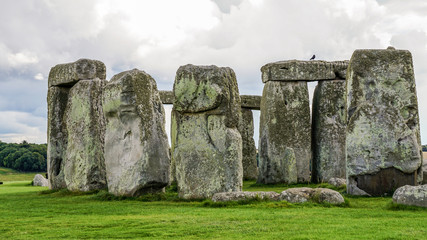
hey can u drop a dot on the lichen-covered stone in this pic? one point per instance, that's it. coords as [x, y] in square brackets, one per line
[411, 195]
[295, 70]
[136, 154]
[304, 194]
[383, 136]
[285, 133]
[57, 136]
[68, 74]
[329, 130]
[246, 129]
[84, 168]
[206, 145]
[39, 180]
[337, 182]
[166, 97]
[239, 196]
[250, 101]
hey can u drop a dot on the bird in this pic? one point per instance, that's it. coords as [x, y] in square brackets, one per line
[312, 58]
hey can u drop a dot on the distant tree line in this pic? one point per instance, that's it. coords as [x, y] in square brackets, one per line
[26, 157]
[424, 148]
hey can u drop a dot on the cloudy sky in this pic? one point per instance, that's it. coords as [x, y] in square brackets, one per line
[158, 36]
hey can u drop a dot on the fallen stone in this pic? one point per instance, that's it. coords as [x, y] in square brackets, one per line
[136, 152]
[246, 129]
[304, 194]
[383, 132]
[68, 74]
[329, 130]
[238, 196]
[250, 101]
[285, 133]
[84, 168]
[206, 145]
[57, 136]
[337, 182]
[411, 195]
[295, 70]
[39, 180]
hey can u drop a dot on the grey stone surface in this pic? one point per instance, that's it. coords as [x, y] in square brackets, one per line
[166, 97]
[285, 133]
[69, 74]
[206, 145]
[411, 195]
[383, 133]
[304, 194]
[84, 168]
[425, 171]
[246, 129]
[295, 70]
[136, 152]
[337, 182]
[238, 196]
[39, 180]
[251, 101]
[57, 136]
[329, 130]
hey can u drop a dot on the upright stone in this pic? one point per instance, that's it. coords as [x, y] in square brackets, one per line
[329, 129]
[206, 144]
[383, 132]
[136, 147]
[84, 168]
[246, 129]
[62, 78]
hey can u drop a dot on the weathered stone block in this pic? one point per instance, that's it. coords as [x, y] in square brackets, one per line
[206, 145]
[57, 136]
[285, 133]
[383, 136]
[68, 74]
[84, 168]
[304, 194]
[136, 154]
[411, 195]
[166, 97]
[295, 70]
[239, 196]
[246, 129]
[329, 130]
[250, 101]
[39, 180]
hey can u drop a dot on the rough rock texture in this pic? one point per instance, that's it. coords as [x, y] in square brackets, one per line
[337, 182]
[246, 129]
[411, 195]
[329, 130]
[425, 172]
[250, 101]
[84, 168]
[57, 136]
[136, 148]
[383, 133]
[166, 97]
[39, 180]
[285, 133]
[237, 196]
[304, 194]
[295, 70]
[206, 145]
[68, 74]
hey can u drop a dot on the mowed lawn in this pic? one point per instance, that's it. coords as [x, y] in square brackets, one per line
[28, 212]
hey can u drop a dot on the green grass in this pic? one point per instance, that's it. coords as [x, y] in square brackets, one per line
[28, 212]
[7, 174]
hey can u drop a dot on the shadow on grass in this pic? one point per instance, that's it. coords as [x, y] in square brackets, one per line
[400, 207]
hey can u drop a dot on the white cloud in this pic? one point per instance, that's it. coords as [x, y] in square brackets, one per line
[39, 76]
[19, 126]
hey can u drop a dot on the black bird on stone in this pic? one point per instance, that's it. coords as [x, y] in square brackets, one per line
[312, 58]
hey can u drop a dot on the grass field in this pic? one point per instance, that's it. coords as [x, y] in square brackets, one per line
[7, 174]
[28, 212]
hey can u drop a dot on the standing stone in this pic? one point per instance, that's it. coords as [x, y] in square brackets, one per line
[62, 78]
[383, 132]
[57, 136]
[206, 144]
[39, 180]
[285, 133]
[136, 148]
[246, 129]
[329, 129]
[84, 168]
